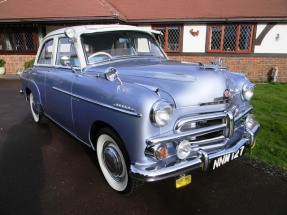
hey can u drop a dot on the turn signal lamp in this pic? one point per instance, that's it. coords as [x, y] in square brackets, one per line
[161, 152]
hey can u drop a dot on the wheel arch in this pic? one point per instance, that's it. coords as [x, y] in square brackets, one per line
[95, 129]
[32, 87]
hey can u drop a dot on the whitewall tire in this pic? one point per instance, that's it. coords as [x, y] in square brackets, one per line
[33, 106]
[112, 161]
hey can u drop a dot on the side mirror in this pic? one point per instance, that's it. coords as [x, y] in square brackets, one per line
[111, 74]
[65, 61]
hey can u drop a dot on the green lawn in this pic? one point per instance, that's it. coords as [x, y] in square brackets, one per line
[270, 110]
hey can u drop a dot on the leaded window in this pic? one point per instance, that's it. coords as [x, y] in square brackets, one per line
[18, 40]
[170, 40]
[235, 38]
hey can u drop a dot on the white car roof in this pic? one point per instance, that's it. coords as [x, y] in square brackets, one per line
[102, 28]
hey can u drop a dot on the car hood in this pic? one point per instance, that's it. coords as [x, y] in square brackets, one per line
[188, 84]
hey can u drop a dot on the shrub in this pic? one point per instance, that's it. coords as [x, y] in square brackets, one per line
[2, 63]
[29, 63]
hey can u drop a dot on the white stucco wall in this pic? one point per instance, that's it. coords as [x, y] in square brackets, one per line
[194, 43]
[275, 42]
[53, 28]
[191, 43]
[146, 27]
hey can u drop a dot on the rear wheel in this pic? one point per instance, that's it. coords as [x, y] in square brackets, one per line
[113, 161]
[34, 110]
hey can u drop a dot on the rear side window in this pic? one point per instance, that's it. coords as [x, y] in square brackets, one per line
[46, 55]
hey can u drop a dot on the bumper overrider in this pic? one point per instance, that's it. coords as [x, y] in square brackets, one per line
[203, 160]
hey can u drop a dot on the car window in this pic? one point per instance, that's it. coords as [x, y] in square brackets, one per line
[46, 55]
[119, 44]
[65, 48]
[143, 44]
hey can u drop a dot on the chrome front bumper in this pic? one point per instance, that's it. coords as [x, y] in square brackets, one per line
[202, 161]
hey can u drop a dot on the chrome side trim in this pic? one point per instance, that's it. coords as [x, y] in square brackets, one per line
[98, 103]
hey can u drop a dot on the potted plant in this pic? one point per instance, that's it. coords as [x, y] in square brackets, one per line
[2, 68]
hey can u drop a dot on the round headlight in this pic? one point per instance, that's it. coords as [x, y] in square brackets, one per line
[248, 91]
[161, 113]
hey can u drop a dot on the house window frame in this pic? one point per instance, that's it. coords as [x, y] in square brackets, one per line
[166, 26]
[23, 32]
[236, 51]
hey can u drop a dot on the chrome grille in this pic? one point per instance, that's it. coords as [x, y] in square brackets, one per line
[205, 126]
[206, 121]
[199, 121]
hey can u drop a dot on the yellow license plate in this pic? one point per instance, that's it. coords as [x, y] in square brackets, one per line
[183, 181]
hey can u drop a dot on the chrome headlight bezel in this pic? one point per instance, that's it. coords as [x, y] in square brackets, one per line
[161, 113]
[247, 91]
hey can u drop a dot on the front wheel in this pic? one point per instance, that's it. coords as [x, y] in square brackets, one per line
[113, 161]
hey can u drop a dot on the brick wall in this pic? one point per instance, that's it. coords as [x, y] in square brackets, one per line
[257, 68]
[15, 63]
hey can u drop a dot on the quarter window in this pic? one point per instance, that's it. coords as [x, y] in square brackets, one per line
[46, 55]
[18, 40]
[170, 40]
[230, 38]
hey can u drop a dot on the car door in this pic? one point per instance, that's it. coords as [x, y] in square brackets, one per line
[58, 86]
[42, 66]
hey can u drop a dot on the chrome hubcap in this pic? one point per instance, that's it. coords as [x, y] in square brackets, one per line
[113, 162]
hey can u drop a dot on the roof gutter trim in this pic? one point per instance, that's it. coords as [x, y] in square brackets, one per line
[56, 19]
[204, 20]
[138, 21]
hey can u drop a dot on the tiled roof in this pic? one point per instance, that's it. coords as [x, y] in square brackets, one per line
[55, 9]
[142, 10]
[200, 9]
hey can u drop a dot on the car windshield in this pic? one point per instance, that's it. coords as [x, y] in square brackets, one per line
[119, 44]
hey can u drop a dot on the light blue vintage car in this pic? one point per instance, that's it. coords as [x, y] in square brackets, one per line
[149, 118]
